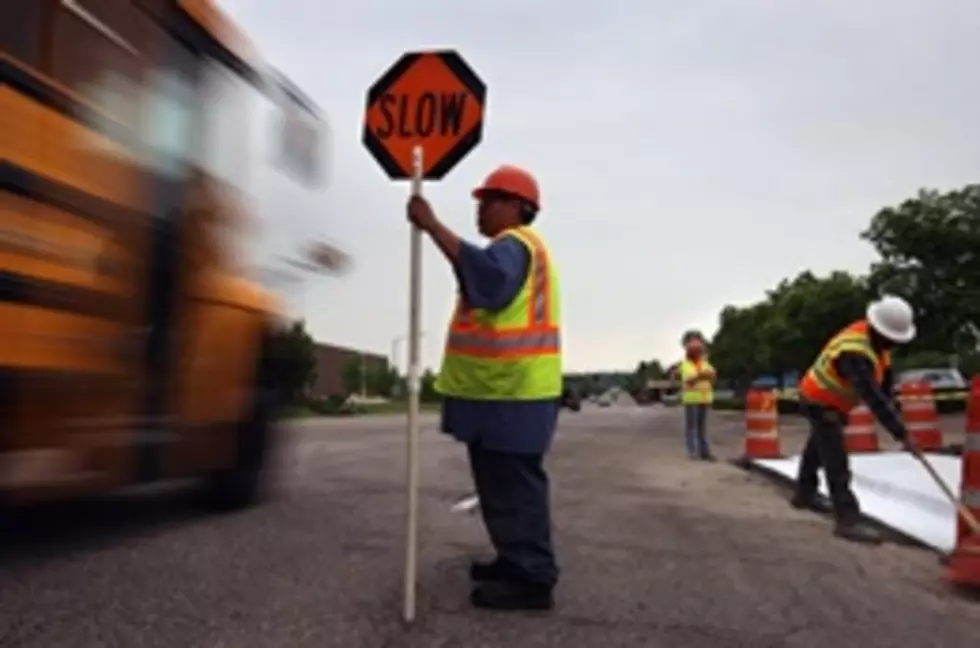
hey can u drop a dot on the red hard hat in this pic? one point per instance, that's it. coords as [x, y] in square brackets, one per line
[513, 181]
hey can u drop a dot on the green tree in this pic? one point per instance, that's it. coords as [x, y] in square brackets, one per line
[644, 372]
[970, 364]
[652, 370]
[381, 379]
[807, 311]
[427, 388]
[923, 360]
[351, 375]
[298, 353]
[785, 331]
[374, 376]
[738, 349]
[930, 254]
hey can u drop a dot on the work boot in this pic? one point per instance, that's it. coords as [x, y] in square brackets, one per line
[856, 531]
[511, 596]
[707, 456]
[486, 571]
[814, 504]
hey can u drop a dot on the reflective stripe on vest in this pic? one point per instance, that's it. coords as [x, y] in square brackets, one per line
[537, 337]
[821, 384]
[513, 354]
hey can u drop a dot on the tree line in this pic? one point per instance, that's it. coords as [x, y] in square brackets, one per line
[297, 349]
[928, 252]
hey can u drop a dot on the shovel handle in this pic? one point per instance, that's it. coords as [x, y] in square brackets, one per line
[964, 512]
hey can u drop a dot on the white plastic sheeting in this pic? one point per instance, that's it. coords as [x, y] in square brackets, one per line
[895, 490]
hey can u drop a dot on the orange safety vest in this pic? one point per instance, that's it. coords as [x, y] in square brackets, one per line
[824, 386]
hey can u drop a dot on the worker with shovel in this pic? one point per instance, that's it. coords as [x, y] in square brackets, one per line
[501, 381]
[854, 366]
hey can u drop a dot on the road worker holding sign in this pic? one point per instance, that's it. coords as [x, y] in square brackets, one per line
[501, 381]
[855, 366]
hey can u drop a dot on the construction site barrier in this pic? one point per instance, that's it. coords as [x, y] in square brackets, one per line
[964, 567]
[790, 394]
[860, 433]
[970, 481]
[762, 425]
[920, 415]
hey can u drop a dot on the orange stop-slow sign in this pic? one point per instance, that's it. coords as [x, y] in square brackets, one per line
[430, 99]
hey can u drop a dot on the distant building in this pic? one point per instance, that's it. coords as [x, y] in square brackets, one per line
[330, 360]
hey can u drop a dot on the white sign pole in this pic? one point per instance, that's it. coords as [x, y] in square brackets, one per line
[414, 317]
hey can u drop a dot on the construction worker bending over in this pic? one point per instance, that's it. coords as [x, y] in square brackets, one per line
[501, 381]
[855, 366]
[697, 394]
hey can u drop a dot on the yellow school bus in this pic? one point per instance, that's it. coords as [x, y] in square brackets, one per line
[133, 346]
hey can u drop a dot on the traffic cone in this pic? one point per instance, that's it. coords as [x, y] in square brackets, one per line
[860, 434]
[964, 564]
[762, 425]
[920, 415]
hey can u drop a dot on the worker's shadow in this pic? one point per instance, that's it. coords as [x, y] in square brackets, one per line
[40, 533]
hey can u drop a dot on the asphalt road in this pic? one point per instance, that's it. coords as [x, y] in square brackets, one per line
[656, 551]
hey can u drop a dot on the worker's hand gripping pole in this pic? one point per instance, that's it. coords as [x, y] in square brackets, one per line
[412, 478]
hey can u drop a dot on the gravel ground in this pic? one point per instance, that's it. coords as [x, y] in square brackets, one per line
[655, 550]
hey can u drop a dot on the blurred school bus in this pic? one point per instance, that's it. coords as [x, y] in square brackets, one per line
[133, 348]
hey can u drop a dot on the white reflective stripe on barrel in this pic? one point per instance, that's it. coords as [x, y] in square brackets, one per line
[859, 429]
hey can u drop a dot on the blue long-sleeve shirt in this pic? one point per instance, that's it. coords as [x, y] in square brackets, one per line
[490, 278]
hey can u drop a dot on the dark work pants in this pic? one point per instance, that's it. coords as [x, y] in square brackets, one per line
[825, 448]
[514, 501]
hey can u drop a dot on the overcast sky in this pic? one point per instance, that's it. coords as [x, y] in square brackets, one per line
[690, 154]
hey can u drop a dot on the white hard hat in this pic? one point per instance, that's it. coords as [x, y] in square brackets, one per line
[892, 317]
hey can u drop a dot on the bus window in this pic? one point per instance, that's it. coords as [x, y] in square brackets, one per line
[94, 55]
[21, 29]
[168, 126]
[228, 106]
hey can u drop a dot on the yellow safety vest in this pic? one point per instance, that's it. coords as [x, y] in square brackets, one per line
[823, 386]
[701, 393]
[514, 353]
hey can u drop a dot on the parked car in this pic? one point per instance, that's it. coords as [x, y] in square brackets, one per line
[941, 379]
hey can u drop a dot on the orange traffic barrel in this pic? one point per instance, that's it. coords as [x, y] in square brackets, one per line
[970, 480]
[762, 425]
[920, 415]
[964, 564]
[860, 434]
